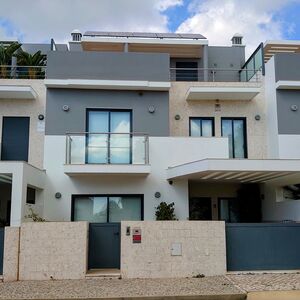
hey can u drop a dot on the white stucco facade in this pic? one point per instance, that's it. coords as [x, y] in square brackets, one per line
[164, 152]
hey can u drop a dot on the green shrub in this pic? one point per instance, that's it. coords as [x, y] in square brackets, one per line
[165, 211]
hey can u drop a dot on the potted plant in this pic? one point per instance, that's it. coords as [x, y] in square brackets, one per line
[165, 212]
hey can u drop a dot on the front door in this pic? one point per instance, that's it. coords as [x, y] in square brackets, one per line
[104, 246]
[200, 208]
[105, 212]
[15, 138]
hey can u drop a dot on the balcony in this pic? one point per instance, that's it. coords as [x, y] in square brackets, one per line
[107, 154]
[214, 75]
[22, 72]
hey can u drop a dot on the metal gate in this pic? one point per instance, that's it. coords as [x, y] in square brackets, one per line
[1, 249]
[263, 246]
[104, 246]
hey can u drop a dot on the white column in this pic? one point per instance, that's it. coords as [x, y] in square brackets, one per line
[18, 197]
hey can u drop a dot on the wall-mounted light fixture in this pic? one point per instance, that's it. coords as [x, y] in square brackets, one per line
[257, 117]
[151, 109]
[57, 195]
[66, 108]
[294, 107]
[157, 195]
[177, 117]
[41, 117]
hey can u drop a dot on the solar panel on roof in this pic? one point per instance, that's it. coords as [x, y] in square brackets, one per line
[146, 34]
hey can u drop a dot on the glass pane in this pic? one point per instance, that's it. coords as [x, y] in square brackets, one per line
[119, 155]
[258, 60]
[139, 150]
[227, 132]
[76, 149]
[207, 128]
[120, 122]
[195, 127]
[97, 148]
[124, 209]
[224, 210]
[92, 209]
[239, 139]
[98, 121]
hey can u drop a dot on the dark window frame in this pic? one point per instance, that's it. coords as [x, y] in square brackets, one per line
[109, 110]
[202, 118]
[73, 198]
[244, 119]
[27, 192]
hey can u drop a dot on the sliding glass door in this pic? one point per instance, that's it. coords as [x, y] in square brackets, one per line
[108, 138]
[235, 130]
[107, 209]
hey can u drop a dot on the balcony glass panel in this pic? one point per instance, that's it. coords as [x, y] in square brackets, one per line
[107, 148]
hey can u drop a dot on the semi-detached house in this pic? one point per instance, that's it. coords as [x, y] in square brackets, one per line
[119, 122]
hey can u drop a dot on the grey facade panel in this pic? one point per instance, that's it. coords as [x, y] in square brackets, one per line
[288, 120]
[287, 66]
[108, 66]
[59, 122]
[228, 60]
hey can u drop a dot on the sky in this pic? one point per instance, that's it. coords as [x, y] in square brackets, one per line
[217, 20]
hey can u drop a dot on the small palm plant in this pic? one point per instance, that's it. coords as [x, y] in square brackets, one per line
[33, 62]
[6, 54]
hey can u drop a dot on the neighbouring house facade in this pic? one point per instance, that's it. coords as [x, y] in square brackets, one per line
[124, 121]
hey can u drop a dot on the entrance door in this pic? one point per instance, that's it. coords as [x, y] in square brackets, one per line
[200, 208]
[15, 138]
[105, 212]
[108, 140]
[104, 246]
[229, 210]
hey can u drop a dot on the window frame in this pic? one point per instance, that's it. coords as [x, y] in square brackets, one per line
[202, 118]
[109, 110]
[73, 198]
[244, 119]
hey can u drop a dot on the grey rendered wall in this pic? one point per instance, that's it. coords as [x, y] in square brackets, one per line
[228, 58]
[287, 66]
[288, 120]
[59, 122]
[108, 66]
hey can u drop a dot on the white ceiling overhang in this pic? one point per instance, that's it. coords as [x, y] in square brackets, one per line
[17, 92]
[222, 93]
[235, 170]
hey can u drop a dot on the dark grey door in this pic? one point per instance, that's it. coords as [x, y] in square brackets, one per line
[104, 245]
[15, 138]
[263, 246]
[1, 249]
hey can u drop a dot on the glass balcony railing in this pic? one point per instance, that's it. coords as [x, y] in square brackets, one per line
[107, 148]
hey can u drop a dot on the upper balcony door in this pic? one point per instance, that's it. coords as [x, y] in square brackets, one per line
[108, 138]
[235, 130]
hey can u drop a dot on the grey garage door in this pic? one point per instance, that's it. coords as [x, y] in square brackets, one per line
[1, 249]
[263, 246]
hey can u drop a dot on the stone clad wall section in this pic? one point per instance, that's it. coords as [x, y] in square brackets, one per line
[11, 253]
[203, 249]
[53, 250]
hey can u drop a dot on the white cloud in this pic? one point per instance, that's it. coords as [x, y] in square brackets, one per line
[40, 20]
[220, 20]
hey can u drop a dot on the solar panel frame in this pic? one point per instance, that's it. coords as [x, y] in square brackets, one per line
[167, 35]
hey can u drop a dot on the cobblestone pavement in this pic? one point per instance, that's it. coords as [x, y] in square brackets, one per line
[108, 288]
[266, 282]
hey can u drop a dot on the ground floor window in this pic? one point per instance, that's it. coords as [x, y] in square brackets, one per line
[107, 208]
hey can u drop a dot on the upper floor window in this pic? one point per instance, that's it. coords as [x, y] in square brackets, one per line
[109, 139]
[235, 130]
[202, 126]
